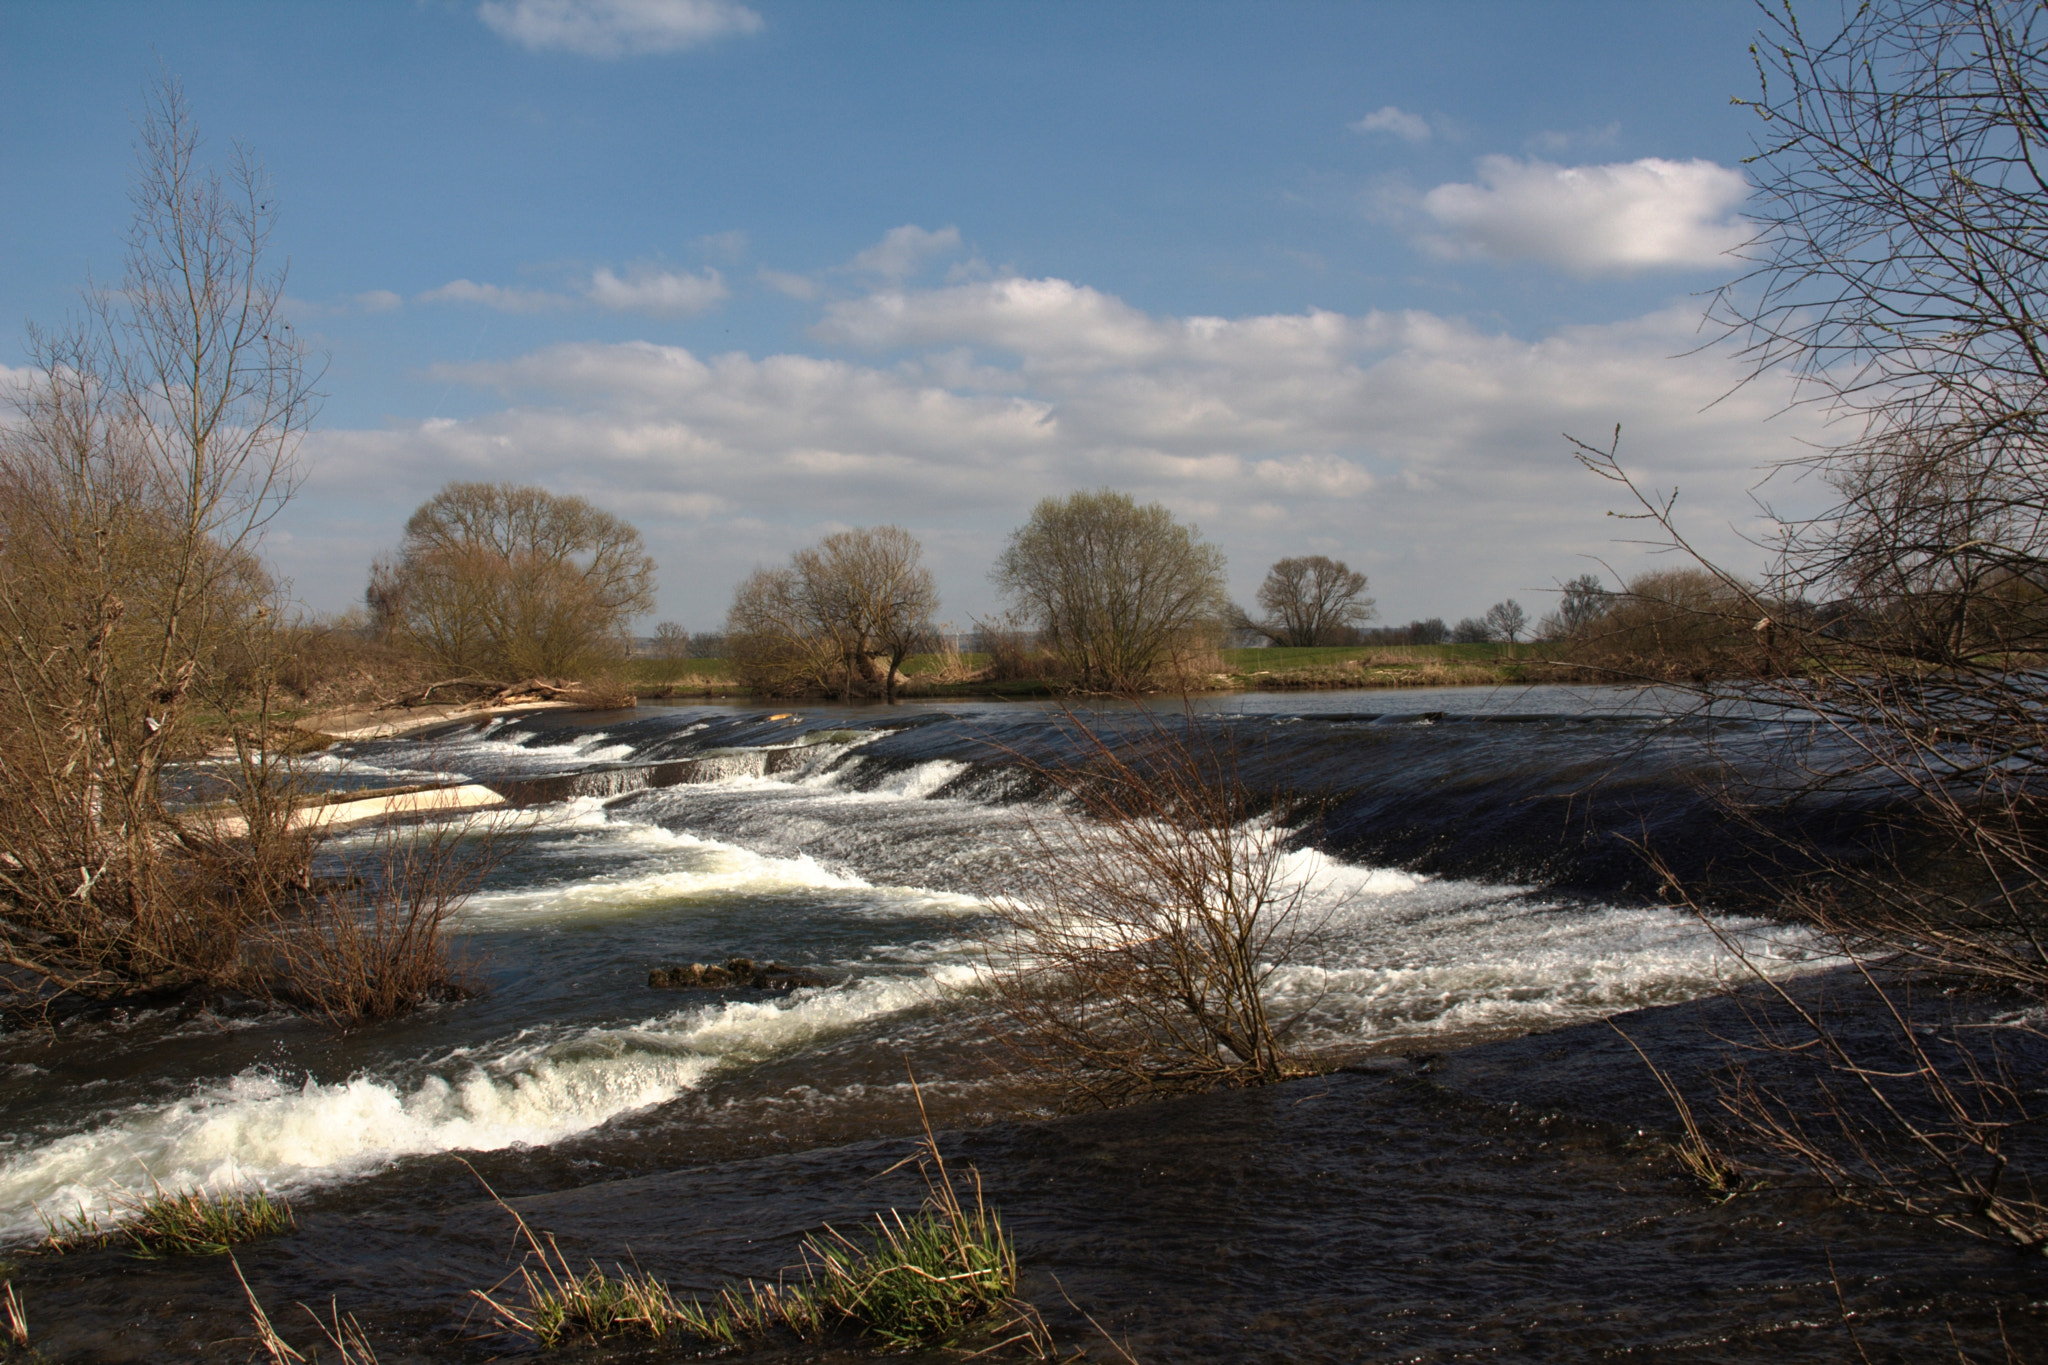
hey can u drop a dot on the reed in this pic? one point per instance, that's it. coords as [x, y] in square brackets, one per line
[1714, 1172]
[173, 1223]
[351, 1345]
[13, 1331]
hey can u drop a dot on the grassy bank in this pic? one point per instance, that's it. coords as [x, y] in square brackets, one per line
[1232, 670]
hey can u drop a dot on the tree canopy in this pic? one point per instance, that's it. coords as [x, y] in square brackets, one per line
[513, 581]
[1116, 590]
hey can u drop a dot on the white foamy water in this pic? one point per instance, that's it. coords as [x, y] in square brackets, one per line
[254, 1129]
[1409, 956]
[654, 868]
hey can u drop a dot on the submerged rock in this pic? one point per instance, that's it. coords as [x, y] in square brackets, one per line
[735, 971]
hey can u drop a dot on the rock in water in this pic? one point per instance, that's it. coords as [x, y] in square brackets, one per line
[736, 971]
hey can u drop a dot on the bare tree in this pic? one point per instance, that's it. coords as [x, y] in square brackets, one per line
[156, 438]
[1506, 620]
[877, 598]
[516, 581]
[1117, 591]
[671, 641]
[774, 638]
[1899, 274]
[1581, 602]
[843, 616]
[1313, 600]
[1898, 264]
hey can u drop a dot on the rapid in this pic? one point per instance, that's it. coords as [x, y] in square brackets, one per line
[1476, 858]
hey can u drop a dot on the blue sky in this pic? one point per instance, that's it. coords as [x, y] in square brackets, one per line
[1321, 277]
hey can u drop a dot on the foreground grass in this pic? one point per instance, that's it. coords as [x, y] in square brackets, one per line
[174, 1223]
[931, 1279]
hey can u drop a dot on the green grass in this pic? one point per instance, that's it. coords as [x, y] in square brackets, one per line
[174, 1223]
[904, 1283]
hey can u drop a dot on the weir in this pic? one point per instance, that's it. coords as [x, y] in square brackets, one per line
[1467, 857]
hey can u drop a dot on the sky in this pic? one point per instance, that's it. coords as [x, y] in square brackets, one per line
[1321, 278]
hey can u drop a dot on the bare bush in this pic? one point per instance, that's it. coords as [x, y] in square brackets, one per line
[1899, 275]
[375, 944]
[155, 440]
[1147, 921]
[1674, 624]
[1014, 653]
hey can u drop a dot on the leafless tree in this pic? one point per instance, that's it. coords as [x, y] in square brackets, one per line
[843, 616]
[1314, 600]
[1151, 913]
[1899, 273]
[1506, 620]
[156, 438]
[513, 581]
[1581, 603]
[671, 641]
[1117, 591]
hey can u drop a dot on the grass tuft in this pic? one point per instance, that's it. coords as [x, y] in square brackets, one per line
[173, 1223]
[922, 1281]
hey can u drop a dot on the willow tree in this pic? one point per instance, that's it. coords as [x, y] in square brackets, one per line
[1116, 590]
[512, 581]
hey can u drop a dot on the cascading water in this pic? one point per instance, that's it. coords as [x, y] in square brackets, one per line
[1470, 857]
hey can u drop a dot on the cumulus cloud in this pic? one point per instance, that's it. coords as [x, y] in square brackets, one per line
[616, 28]
[497, 296]
[903, 250]
[657, 293]
[1621, 217]
[1395, 122]
[1422, 448]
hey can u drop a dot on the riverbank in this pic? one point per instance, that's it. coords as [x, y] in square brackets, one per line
[1514, 1200]
[940, 677]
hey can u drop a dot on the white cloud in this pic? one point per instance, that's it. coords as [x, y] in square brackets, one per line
[725, 246]
[496, 296]
[647, 290]
[903, 249]
[782, 282]
[1621, 217]
[1556, 141]
[1396, 122]
[378, 301]
[1421, 448]
[657, 293]
[616, 28]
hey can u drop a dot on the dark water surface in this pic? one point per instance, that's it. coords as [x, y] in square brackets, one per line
[1498, 1202]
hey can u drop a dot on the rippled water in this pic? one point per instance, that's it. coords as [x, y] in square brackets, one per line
[1471, 858]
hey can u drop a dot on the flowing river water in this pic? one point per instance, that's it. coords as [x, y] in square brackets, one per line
[1477, 1176]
